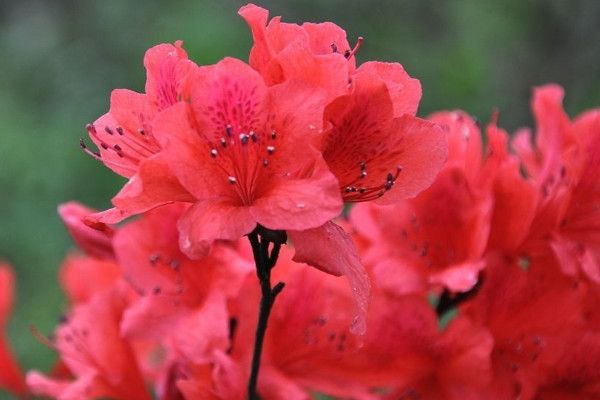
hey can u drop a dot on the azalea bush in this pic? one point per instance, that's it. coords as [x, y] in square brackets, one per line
[235, 263]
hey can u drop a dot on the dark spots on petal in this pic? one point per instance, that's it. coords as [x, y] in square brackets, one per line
[154, 257]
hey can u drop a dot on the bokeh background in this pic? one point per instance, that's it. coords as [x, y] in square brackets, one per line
[59, 60]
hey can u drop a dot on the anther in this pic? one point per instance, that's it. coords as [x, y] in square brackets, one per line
[363, 166]
[253, 136]
[363, 174]
[349, 54]
[153, 258]
[232, 180]
[223, 142]
[270, 149]
[108, 130]
[213, 153]
[273, 135]
[265, 163]
[119, 130]
[141, 131]
[243, 138]
[228, 130]
[348, 189]
[362, 190]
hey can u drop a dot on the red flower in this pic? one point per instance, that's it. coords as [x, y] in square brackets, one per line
[320, 54]
[414, 360]
[315, 53]
[128, 143]
[564, 164]
[90, 345]
[371, 140]
[533, 312]
[243, 151]
[11, 377]
[374, 154]
[180, 298]
[370, 132]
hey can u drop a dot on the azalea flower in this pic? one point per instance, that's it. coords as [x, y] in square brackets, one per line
[11, 377]
[564, 163]
[102, 361]
[243, 151]
[534, 314]
[181, 300]
[371, 140]
[127, 142]
[437, 239]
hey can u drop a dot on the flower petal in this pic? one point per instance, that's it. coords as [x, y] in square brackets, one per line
[330, 249]
[208, 220]
[302, 203]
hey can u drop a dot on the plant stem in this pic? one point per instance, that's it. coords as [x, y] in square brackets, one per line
[264, 263]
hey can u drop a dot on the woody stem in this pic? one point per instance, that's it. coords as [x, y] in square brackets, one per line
[264, 263]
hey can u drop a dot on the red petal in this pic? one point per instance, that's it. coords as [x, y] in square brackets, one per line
[331, 249]
[83, 277]
[464, 140]
[229, 93]
[96, 241]
[7, 284]
[207, 220]
[405, 92]
[302, 203]
[167, 69]
[257, 17]
[153, 186]
[420, 148]
[11, 376]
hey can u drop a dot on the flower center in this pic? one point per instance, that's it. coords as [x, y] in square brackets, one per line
[244, 158]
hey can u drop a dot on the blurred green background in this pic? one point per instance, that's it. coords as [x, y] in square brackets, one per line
[59, 61]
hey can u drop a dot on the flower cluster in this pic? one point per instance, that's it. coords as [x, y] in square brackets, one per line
[472, 272]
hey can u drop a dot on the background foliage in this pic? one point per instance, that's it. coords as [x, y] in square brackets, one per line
[61, 59]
